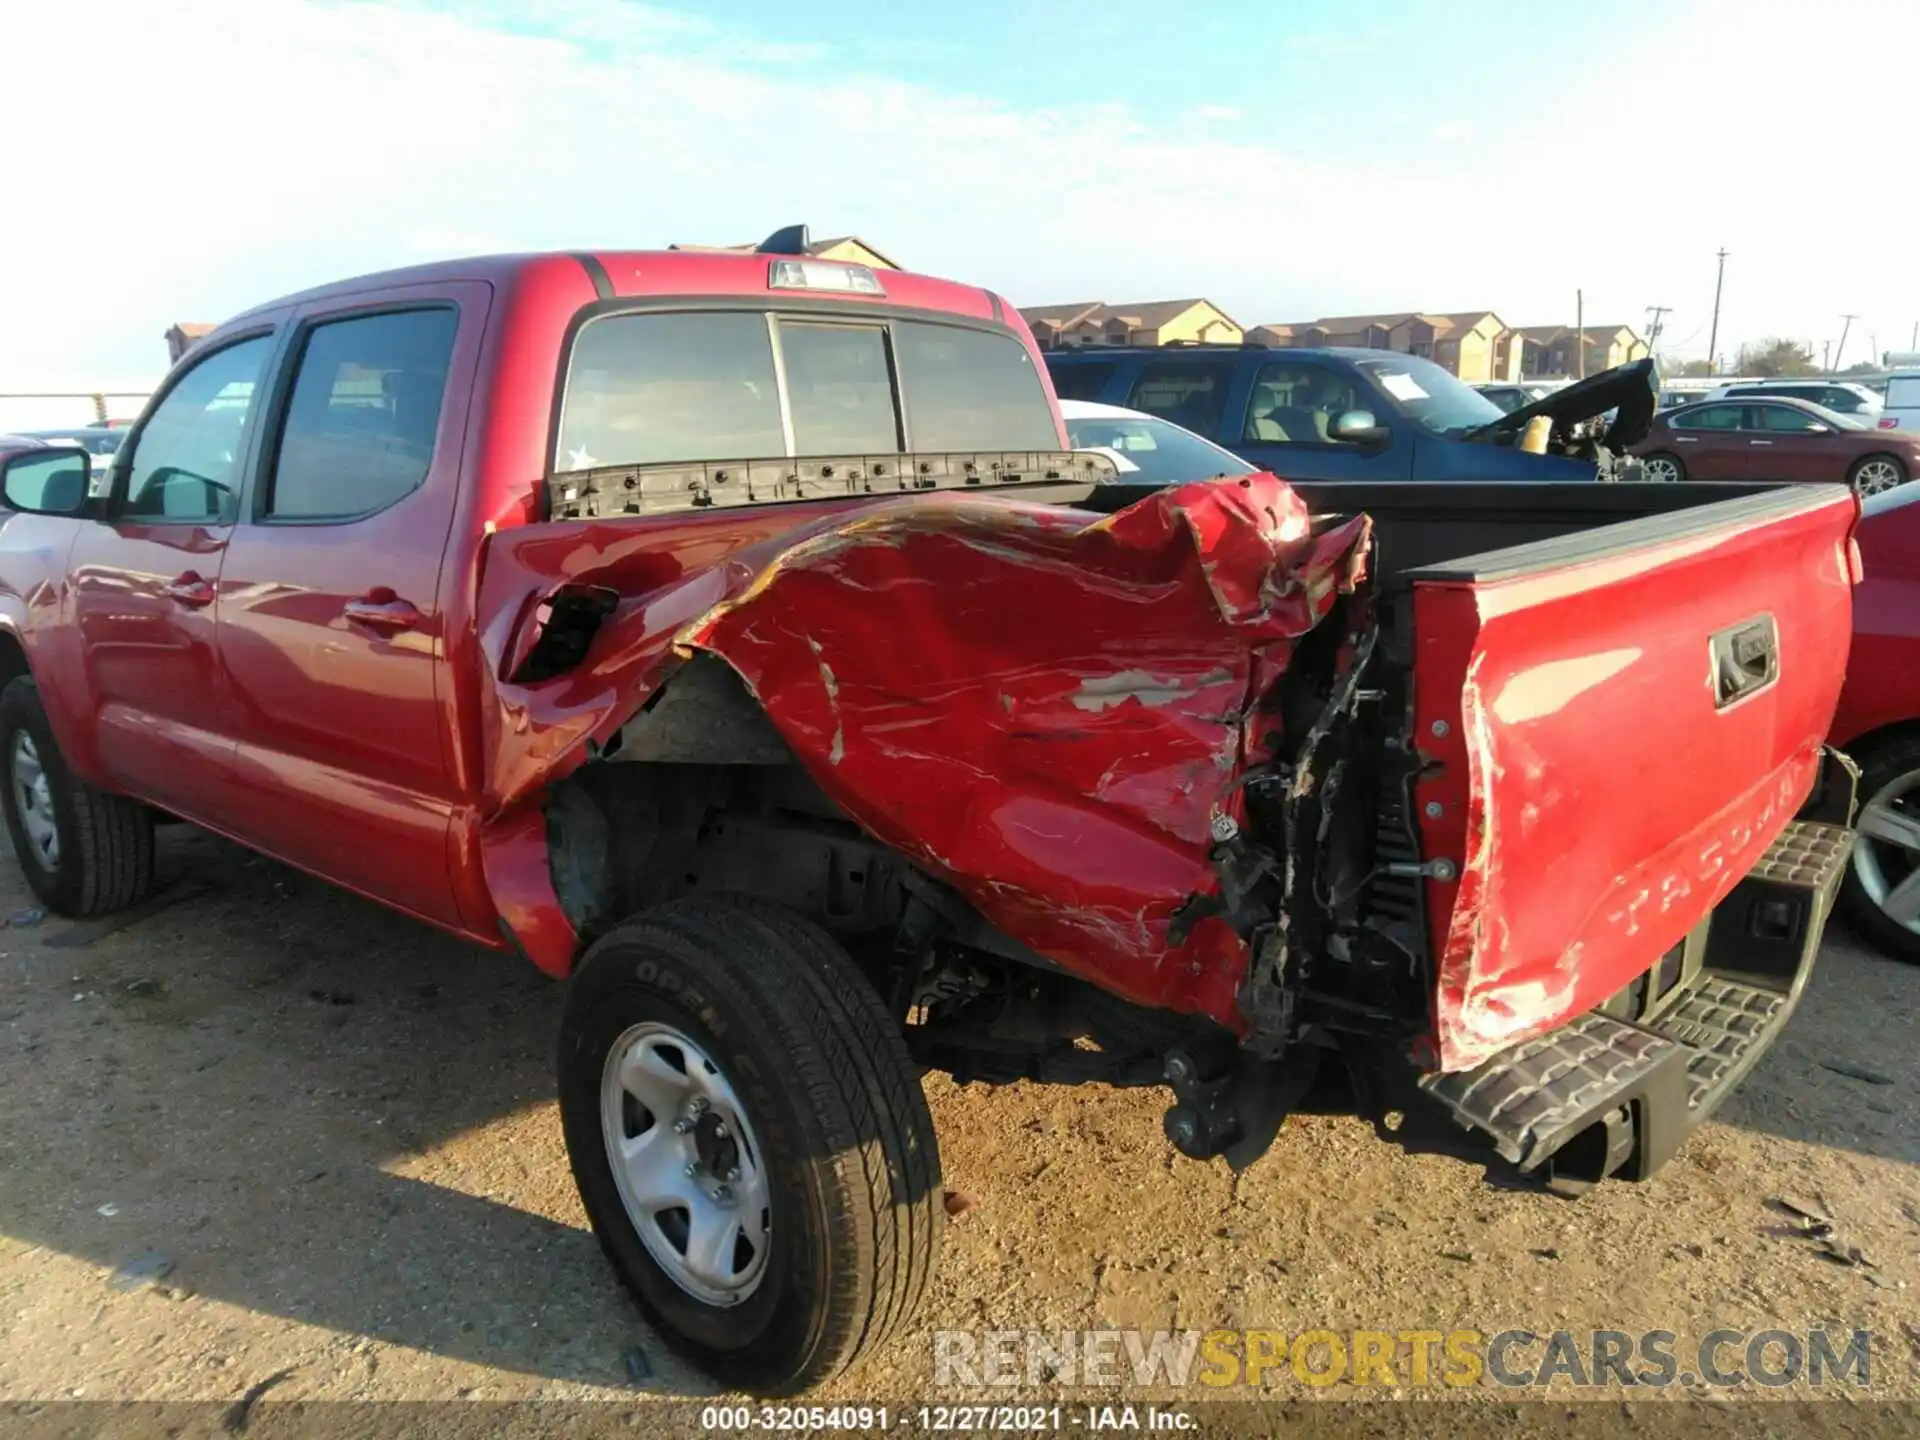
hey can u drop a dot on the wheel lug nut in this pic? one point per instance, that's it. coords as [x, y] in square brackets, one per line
[720, 1129]
[722, 1195]
[692, 1169]
[682, 1125]
[732, 1174]
[698, 1105]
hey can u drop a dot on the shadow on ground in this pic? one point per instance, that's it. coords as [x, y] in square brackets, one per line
[255, 1055]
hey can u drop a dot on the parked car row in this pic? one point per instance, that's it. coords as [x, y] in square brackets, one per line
[1750, 430]
[1366, 415]
[1773, 437]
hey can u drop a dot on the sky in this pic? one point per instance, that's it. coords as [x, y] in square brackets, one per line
[1285, 159]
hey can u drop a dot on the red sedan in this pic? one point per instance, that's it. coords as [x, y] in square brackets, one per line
[1878, 724]
[1775, 438]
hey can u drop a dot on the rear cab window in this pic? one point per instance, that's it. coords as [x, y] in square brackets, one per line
[690, 386]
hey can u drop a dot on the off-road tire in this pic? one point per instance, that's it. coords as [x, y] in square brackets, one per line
[1880, 765]
[106, 841]
[835, 1100]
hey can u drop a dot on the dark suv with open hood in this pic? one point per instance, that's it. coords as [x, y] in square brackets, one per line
[1377, 415]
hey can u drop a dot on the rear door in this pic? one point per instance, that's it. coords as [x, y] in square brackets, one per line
[1712, 442]
[146, 585]
[1284, 423]
[331, 635]
[1618, 724]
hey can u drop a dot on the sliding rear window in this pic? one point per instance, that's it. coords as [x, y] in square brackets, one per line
[664, 388]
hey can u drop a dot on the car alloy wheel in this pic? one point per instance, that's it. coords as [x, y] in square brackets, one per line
[1886, 856]
[33, 797]
[1873, 476]
[688, 1166]
[1660, 469]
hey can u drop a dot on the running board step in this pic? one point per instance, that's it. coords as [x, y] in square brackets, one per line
[1640, 1086]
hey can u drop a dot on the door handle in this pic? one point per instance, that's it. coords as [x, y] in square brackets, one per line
[190, 590]
[1759, 442]
[383, 611]
[1685, 440]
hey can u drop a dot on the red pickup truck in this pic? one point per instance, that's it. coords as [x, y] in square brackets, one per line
[735, 636]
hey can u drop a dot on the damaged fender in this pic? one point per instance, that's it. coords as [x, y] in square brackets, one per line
[1043, 708]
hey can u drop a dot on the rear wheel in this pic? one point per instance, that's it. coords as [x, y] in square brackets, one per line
[750, 1140]
[1875, 473]
[1662, 468]
[83, 851]
[1882, 888]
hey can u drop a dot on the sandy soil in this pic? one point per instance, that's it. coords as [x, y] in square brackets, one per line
[337, 1128]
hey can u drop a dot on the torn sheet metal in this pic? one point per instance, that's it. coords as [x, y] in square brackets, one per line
[1595, 796]
[1041, 707]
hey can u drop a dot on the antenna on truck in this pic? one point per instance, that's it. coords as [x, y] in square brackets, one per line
[791, 240]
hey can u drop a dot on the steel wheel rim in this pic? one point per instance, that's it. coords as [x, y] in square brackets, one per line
[1659, 470]
[1886, 856]
[1875, 476]
[33, 800]
[687, 1163]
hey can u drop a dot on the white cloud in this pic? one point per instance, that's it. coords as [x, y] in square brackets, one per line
[257, 147]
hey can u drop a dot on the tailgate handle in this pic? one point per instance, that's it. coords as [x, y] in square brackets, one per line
[1746, 660]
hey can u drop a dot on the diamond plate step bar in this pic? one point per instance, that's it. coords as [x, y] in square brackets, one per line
[1607, 1095]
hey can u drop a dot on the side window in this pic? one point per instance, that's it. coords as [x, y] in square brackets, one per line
[1710, 417]
[1784, 419]
[186, 462]
[361, 420]
[1844, 401]
[1082, 382]
[1191, 395]
[1293, 404]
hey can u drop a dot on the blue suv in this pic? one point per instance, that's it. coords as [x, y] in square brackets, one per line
[1374, 415]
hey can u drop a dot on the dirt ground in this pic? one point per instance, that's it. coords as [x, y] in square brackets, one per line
[337, 1128]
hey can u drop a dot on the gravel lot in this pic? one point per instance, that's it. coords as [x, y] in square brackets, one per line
[337, 1128]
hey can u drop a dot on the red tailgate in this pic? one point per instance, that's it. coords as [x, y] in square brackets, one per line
[1599, 787]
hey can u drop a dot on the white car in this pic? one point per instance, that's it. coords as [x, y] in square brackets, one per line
[1902, 410]
[1145, 448]
[1843, 397]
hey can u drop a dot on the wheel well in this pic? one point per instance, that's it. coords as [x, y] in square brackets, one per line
[13, 659]
[1868, 743]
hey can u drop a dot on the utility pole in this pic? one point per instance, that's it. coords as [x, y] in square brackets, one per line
[1653, 330]
[1846, 324]
[1580, 334]
[1713, 335]
[1826, 349]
